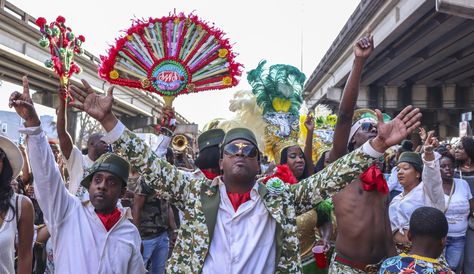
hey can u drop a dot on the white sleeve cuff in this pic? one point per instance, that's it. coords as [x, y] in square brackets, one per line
[432, 163]
[113, 135]
[31, 130]
[369, 150]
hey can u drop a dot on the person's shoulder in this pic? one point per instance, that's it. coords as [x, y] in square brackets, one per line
[392, 263]
[461, 182]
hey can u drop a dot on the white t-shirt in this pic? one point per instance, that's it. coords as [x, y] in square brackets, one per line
[458, 208]
[76, 165]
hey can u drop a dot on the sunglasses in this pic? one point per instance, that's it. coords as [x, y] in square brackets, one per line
[246, 150]
[367, 126]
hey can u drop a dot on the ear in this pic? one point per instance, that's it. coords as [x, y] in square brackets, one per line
[220, 164]
[124, 190]
[443, 241]
[409, 236]
[352, 141]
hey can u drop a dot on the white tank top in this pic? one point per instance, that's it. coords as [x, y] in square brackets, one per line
[8, 231]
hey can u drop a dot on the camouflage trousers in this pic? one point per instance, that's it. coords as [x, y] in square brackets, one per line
[341, 268]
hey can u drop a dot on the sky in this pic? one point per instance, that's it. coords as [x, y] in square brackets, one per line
[297, 32]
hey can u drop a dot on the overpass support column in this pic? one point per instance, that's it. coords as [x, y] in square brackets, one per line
[449, 96]
[363, 99]
[390, 97]
[443, 121]
[419, 96]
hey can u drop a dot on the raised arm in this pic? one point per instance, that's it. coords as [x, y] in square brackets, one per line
[50, 191]
[158, 174]
[362, 50]
[322, 185]
[431, 176]
[26, 173]
[65, 140]
[308, 146]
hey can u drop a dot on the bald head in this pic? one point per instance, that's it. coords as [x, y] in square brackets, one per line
[95, 146]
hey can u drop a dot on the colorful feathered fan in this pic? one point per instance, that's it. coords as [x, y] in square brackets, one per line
[172, 55]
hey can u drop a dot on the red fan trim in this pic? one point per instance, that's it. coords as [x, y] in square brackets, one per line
[107, 64]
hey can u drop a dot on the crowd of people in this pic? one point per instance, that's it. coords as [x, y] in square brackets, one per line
[238, 207]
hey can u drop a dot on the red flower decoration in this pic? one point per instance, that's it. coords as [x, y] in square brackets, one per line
[283, 173]
[60, 19]
[41, 22]
[82, 38]
[373, 179]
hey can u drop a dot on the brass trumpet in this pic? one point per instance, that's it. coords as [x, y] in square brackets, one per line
[179, 143]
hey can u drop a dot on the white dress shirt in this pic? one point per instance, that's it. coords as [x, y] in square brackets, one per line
[429, 192]
[81, 243]
[243, 240]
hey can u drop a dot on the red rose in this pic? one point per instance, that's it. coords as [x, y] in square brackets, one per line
[40, 22]
[60, 19]
[82, 38]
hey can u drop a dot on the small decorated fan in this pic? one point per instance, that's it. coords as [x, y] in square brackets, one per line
[170, 56]
[323, 135]
[63, 45]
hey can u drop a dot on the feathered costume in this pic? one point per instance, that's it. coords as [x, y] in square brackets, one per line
[247, 114]
[278, 92]
[323, 135]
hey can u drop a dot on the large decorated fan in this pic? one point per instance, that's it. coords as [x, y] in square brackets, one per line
[170, 56]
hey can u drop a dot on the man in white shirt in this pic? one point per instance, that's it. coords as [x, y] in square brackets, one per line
[234, 221]
[89, 237]
[76, 162]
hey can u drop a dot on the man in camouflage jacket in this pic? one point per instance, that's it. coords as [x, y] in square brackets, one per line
[199, 199]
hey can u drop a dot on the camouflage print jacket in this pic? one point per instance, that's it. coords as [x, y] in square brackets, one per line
[199, 200]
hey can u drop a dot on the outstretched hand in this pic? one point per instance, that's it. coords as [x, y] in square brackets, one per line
[395, 131]
[23, 105]
[429, 146]
[97, 106]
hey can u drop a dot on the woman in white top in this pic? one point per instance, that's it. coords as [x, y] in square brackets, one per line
[16, 213]
[421, 181]
[459, 204]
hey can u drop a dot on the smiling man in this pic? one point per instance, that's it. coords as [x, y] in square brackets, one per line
[235, 224]
[88, 237]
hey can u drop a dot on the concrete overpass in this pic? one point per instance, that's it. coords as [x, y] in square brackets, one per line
[423, 56]
[21, 55]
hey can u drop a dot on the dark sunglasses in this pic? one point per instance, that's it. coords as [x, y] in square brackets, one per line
[367, 126]
[246, 150]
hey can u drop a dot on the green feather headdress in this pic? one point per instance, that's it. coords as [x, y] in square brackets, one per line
[277, 89]
[278, 92]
